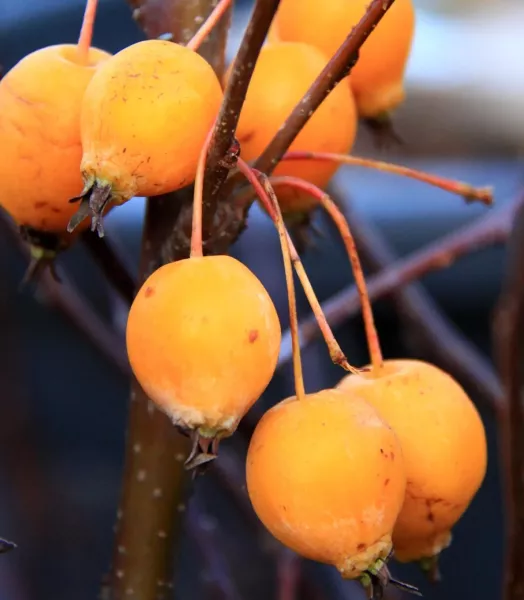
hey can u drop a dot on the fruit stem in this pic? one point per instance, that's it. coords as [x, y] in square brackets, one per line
[208, 25]
[86, 33]
[349, 241]
[468, 192]
[252, 177]
[196, 228]
[265, 193]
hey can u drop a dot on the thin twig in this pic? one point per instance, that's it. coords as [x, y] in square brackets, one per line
[209, 24]
[485, 231]
[337, 69]
[468, 192]
[508, 333]
[234, 96]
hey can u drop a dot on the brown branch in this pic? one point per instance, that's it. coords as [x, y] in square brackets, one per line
[453, 349]
[65, 298]
[155, 481]
[234, 95]
[337, 69]
[508, 333]
[109, 258]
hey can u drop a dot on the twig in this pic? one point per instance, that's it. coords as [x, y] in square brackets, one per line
[468, 192]
[234, 96]
[337, 69]
[110, 260]
[453, 350]
[508, 332]
[209, 24]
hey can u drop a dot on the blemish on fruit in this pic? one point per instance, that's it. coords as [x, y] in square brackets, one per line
[361, 547]
[149, 291]
[253, 336]
[386, 482]
[40, 204]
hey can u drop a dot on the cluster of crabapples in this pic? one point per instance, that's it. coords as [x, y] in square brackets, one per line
[394, 454]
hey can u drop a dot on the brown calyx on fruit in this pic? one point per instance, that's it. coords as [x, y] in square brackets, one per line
[94, 201]
[204, 450]
[44, 247]
[376, 578]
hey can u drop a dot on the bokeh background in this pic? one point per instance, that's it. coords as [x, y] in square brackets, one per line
[63, 406]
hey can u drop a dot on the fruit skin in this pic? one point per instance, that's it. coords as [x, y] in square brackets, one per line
[444, 447]
[203, 339]
[145, 116]
[283, 74]
[325, 475]
[40, 102]
[377, 78]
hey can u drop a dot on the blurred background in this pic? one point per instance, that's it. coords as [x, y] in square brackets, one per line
[63, 406]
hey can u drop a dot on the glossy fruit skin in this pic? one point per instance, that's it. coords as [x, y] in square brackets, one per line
[283, 74]
[444, 446]
[326, 477]
[377, 78]
[145, 117]
[40, 101]
[203, 339]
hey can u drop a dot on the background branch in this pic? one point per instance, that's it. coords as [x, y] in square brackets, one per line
[508, 331]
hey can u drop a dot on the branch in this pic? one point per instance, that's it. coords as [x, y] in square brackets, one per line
[155, 481]
[508, 331]
[452, 349]
[337, 69]
[235, 93]
[65, 298]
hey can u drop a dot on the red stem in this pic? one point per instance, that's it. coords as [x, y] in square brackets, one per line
[86, 33]
[465, 190]
[349, 241]
[209, 24]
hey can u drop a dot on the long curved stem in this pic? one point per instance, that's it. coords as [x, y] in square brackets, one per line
[265, 193]
[198, 192]
[86, 33]
[468, 192]
[340, 222]
[291, 296]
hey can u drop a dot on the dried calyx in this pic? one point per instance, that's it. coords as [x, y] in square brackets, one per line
[44, 248]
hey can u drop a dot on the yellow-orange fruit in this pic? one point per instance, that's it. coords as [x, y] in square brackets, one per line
[145, 116]
[444, 447]
[377, 78]
[325, 475]
[203, 339]
[283, 74]
[40, 102]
